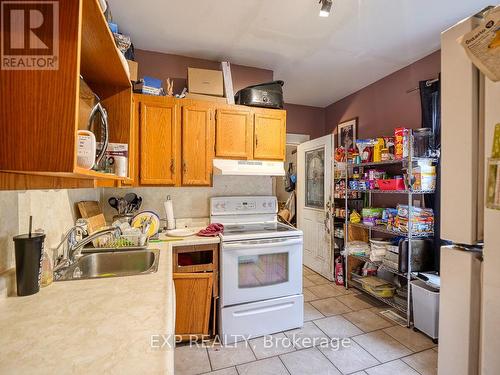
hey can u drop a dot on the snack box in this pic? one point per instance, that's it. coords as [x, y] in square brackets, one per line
[401, 143]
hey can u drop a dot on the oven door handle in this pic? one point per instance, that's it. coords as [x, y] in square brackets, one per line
[262, 243]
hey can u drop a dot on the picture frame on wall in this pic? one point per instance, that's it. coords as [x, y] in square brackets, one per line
[346, 133]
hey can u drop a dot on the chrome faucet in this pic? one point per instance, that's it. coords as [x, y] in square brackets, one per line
[73, 249]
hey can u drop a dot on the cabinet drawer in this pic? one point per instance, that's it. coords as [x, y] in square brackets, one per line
[196, 258]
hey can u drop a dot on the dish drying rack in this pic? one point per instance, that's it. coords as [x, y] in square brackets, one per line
[109, 242]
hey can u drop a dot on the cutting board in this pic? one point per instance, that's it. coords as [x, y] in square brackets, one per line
[89, 208]
[92, 212]
[96, 222]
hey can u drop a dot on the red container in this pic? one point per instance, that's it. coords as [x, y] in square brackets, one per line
[339, 271]
[391, 184]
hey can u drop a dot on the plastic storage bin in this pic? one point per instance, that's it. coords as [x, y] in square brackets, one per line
[391, 184]
[384, 291]
[425, 308]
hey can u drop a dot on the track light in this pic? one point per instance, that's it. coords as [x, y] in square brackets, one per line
[326, 5]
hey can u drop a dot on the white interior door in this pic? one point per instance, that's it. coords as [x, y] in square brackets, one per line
[314, 171]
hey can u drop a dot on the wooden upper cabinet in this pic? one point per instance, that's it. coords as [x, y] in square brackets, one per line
[269, 135]
[234, 133]
[159, 133]
[39, 109]
[197, 145]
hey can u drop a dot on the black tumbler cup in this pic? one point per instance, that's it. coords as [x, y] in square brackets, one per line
[29, 250]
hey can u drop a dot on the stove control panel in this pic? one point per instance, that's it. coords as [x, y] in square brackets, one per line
[243, 205]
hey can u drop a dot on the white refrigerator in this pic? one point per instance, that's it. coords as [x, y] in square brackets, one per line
[469, 324]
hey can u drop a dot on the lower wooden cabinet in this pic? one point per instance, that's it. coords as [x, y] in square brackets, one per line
[193, 301]
[196, 279]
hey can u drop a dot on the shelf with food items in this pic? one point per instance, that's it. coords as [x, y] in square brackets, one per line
[365, 179]
[383, 229]
[395, 221]
[394, 162]
[406, 145]
[338, 233]
[393, 191]
[384, 292]
[403, 164]
[385, 262]
[380, 265]
[392, 255]
[340, 189]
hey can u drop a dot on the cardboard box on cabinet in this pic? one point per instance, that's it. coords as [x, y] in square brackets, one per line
[133, 66]
[205, 81]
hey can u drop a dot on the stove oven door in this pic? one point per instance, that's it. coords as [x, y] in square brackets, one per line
[256, 270]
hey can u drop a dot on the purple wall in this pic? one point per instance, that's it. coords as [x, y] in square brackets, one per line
[164, 65]
[300, 119]
[385, 105]
[380, 107]
[303, 119]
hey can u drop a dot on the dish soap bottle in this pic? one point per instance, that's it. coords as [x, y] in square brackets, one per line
[47, 269]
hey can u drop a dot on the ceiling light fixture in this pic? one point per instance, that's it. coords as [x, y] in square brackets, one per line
[326, 5]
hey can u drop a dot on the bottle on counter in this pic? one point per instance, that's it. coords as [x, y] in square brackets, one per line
[47, 269]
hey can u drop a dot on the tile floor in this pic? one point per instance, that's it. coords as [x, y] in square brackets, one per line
[377, 346]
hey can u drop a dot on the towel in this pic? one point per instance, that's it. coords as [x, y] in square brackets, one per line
[212, 230]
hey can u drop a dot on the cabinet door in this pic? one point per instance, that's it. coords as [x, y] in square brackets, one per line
[133, 149]
[197, 145]
[159, 145]
[233, 134]
[269, 135]
[193, 298]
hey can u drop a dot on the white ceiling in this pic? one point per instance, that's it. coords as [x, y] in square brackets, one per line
[321, 60]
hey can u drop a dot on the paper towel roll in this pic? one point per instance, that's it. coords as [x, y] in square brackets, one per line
[170, 213]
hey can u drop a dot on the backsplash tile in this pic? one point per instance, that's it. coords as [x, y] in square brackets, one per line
[191, 202]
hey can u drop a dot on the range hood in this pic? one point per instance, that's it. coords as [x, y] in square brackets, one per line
[227, 167]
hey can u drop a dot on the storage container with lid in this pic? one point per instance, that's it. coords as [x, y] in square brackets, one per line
[423, 142]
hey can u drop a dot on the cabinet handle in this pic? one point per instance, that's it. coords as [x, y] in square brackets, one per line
[172, 166]
[256, 141]
[184, 167]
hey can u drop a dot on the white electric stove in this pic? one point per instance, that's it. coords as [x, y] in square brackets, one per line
[261, 268]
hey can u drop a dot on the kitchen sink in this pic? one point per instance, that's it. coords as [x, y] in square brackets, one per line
[111, 264]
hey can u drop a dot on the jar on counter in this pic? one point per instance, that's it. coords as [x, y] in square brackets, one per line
[423, 142]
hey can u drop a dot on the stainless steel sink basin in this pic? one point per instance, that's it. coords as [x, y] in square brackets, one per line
[112, 264]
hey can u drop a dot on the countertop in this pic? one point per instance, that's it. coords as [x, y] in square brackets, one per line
[94, 326]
